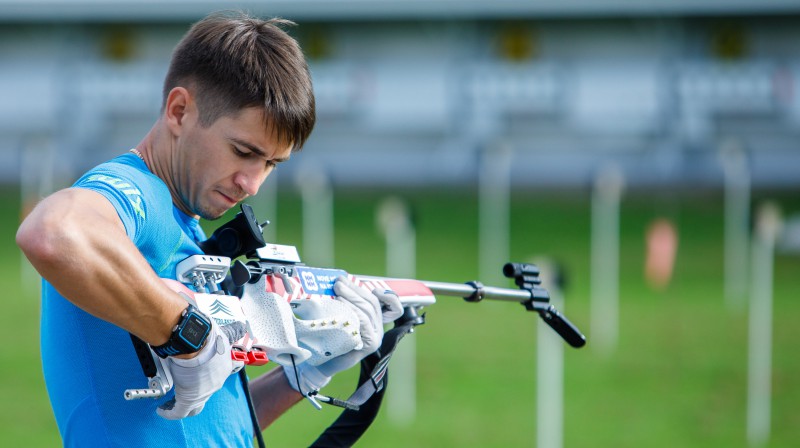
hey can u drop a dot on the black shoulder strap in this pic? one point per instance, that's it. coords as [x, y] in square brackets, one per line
[352, 424]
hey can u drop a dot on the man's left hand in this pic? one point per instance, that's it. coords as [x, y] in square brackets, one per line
[373, 309]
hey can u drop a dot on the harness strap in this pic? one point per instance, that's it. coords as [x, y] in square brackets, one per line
[352, 424]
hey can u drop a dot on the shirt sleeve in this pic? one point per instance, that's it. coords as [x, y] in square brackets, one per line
[124, 193]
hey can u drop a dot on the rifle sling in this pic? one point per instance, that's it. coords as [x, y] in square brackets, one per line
[352, 424]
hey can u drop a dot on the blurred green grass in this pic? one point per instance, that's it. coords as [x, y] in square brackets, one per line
[677, 378]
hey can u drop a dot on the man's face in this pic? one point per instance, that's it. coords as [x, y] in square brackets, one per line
[221, 165]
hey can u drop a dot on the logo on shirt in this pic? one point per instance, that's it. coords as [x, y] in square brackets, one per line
[132, 193]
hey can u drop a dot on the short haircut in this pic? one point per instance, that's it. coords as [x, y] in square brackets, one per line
[232, 61]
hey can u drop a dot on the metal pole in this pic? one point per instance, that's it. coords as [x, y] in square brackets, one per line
[737, 214]
[549, 369]
[759, 386]
[395, 222]
[604, 316]
[317, 198]
[493, 205]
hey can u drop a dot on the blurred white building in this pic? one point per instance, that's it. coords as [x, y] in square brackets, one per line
[410, 92]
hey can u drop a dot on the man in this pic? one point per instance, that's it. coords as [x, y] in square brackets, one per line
[237, 101]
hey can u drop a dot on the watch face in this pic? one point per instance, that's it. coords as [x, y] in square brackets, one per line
[194, 331]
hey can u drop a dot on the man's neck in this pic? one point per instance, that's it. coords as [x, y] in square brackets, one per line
[157, 153]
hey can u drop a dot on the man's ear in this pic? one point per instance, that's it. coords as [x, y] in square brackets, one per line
[179, 110]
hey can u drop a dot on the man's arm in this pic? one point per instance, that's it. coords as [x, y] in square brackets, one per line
[272, 396]
[76, 241]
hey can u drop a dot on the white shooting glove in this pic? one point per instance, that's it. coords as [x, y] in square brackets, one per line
[317, 371]
[272, 324]
[391, 307]
[196, 379]
[327, 328]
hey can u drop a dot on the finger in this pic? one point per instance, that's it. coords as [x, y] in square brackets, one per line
[361, 298]
[234, 331]
[345, 282]
[172, 410]
[196, 410]
[367, 331]
[391, 307]
[342, 362]
[366, 294]
[369, 326]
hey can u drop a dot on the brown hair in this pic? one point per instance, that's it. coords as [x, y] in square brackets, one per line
[233, 61]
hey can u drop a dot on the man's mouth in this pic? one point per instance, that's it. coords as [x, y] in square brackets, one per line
[227, 198]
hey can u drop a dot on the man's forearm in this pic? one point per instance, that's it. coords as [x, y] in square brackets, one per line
[272, 396]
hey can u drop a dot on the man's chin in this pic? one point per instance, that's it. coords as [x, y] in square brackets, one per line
[211, 215]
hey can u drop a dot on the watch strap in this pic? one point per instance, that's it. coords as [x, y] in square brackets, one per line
[176, 345]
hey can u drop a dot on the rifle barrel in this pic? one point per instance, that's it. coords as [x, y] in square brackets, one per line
[489, 292]
[464, 290]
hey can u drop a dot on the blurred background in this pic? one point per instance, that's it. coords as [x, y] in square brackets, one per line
[644, 154]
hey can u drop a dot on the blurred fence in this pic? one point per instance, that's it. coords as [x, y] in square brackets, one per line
[408, 103]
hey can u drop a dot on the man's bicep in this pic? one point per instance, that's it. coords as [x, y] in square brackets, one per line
[96, 209]
[78, 206]
[67, 221]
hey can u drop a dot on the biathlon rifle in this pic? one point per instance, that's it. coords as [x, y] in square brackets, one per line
[261, 267]
[242, 236]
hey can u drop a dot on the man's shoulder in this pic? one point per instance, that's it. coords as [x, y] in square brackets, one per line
[127, 178]
[126, 168]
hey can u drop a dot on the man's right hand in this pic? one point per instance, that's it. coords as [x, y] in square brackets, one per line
[197, 378]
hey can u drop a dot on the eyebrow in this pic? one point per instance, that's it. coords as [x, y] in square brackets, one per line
[258, 151]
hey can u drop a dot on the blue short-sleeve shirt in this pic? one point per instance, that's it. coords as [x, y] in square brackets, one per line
[88, 363]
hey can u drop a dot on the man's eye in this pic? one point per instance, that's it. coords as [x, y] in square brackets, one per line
[240, 153]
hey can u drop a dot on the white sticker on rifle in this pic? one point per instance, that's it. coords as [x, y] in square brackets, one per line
[319, 280]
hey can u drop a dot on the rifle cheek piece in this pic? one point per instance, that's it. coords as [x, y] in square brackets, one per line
[240, 236]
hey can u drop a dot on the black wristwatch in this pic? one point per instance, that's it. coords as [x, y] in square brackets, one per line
[188, 336]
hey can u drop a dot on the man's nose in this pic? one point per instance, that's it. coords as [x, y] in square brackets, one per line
[249, 181]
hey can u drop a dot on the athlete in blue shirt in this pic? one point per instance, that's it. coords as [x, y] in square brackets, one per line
[88, 362]
[237, 101]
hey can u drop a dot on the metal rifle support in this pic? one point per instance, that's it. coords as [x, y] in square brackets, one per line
[531, 295]
[526, 276]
